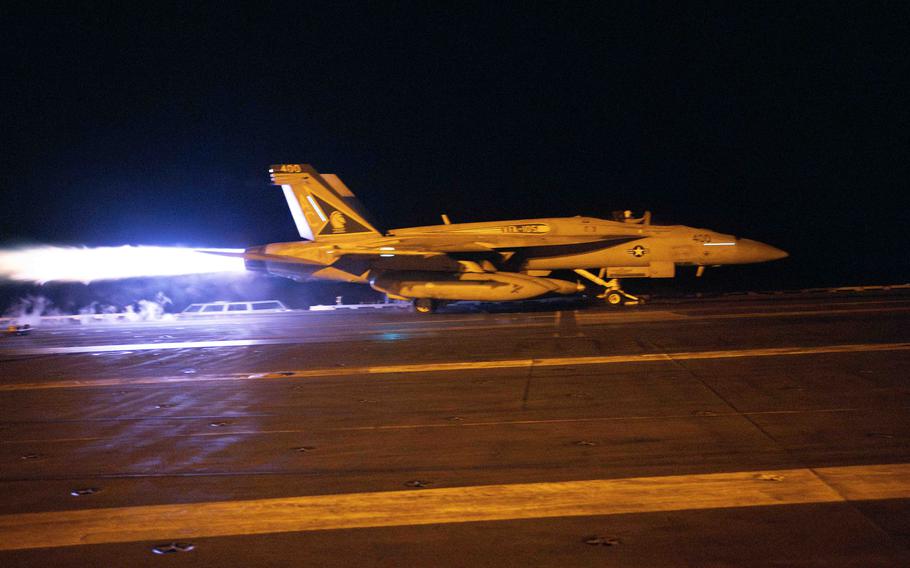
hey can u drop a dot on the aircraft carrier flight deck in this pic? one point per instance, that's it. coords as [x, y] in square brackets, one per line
[763, 430]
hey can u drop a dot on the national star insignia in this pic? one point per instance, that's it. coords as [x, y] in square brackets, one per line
[638, 251]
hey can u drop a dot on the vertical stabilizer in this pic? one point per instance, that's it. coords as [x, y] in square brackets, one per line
[322, 205]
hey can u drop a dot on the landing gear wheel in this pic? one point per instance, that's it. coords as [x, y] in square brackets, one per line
[424, 306]
[614, 298]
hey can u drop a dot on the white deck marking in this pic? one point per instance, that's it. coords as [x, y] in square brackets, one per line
[148, 346]
[435, 425]
[455, 505]
[471, 366]
[712, 415]
[583, 319]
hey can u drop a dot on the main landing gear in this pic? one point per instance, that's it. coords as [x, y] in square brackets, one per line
[425, 305]
[613, 294]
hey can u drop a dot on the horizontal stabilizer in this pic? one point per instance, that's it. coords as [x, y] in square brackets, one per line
[255, 255]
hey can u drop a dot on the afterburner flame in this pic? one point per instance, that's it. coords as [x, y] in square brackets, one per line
[63, 264]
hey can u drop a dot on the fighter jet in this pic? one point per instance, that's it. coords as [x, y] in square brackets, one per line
[488, 261]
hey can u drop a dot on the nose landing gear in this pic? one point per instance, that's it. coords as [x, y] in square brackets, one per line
[613, 294]
[612, 297]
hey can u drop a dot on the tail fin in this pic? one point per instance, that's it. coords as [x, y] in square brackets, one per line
[322, 206]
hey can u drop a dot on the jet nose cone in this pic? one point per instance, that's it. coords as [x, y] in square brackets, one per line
[755, 251]
[776, 253]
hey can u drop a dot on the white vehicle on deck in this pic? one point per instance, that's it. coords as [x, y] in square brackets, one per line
[235, 308]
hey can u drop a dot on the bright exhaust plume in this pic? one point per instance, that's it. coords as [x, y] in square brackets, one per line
[71, 264]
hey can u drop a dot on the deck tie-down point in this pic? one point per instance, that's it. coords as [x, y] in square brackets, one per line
[602, 541]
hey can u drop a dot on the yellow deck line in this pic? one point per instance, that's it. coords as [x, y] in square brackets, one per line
[470, 366]
[603, 359]
[590, 318]
[455, 505]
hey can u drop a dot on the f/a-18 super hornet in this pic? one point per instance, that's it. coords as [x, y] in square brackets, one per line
[487, 261]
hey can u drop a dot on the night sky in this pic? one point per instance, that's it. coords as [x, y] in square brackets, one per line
[784, 123]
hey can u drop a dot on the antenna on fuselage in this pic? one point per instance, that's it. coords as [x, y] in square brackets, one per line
[445, 219]
[626, 217]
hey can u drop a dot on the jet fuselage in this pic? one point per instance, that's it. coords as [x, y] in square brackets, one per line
[495, 260]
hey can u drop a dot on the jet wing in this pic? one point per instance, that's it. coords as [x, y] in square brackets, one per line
[423, 245]
[429, 245]
[382, 251]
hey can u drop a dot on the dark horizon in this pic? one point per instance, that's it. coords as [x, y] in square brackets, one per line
[157, 127]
